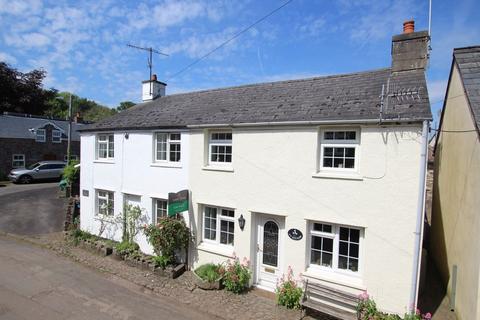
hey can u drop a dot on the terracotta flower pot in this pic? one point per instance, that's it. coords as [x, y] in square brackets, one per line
[409, 26]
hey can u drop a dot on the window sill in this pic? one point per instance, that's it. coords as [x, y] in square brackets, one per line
[351, 281]
[103, 161]
[166, 165]
[217, 168]
[338, 175]
[104, 218]
[216, 249]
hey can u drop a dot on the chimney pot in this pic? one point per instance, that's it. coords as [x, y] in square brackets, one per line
[409, 26]
[154, 77]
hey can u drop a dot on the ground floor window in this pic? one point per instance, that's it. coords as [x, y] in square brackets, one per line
[218, 225]
[159, 209]
[105, 204]
[335, 247]
[73, 157]
[18, 161]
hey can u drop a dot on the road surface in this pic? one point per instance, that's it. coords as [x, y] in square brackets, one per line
[37, 284]
[31, 209]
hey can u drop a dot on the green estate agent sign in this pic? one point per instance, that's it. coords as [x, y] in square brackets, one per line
[177, 202]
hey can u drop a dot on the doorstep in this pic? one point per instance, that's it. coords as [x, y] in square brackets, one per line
[263, 293]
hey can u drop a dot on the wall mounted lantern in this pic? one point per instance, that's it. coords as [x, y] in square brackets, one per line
[241, 222]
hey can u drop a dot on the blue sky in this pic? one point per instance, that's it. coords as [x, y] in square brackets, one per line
[82, 44]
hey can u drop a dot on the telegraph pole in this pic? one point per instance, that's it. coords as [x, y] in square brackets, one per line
[69, 141]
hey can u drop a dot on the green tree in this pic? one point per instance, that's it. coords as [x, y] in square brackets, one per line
[23, 92]
[89, 109]
[124, 105]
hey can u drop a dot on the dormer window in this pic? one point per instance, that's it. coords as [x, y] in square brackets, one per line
[56, 136]
[40, 135]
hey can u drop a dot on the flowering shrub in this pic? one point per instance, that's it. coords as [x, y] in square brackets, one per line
[367, 310]
[167, 236]
[236, 275]
[288, 292]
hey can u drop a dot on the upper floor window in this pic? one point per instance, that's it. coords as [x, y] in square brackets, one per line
[105, 146]
[160, 209]
[105, 202]
[40, 135]
[220, 147]
[339, 150]
[218, 225]
[18, 161]
[167, 147]
[56, 136]
[334, 247]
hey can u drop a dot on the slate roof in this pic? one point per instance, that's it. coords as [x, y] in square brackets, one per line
[338, 98]
[468, 62]
[14, 126]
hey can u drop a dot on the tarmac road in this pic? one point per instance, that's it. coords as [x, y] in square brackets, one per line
[31, 209]
[37, 284]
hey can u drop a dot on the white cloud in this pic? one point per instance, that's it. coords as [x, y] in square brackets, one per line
[28, 40]
[7, 58]
[371, 20]
[20, 7]
[199, 45]
[313, 27]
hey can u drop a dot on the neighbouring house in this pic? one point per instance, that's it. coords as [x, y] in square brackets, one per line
[326, 174]
[455, 231]
[26, 139]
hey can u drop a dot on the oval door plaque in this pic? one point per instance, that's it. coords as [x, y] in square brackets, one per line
[295, 234]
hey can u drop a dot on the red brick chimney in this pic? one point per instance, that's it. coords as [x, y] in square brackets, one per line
[77, 118]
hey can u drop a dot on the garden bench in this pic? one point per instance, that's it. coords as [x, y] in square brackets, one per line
[330, 301]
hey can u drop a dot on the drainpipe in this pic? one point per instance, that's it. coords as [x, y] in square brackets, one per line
[420, 218]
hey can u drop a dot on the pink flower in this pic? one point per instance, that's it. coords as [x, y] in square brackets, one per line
[428, 316]
[364, 296]
[417, 312]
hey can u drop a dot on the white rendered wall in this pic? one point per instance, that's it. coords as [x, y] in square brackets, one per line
[272, 174]
[131, 172]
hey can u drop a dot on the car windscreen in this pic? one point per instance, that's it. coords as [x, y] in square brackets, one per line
[33, 166]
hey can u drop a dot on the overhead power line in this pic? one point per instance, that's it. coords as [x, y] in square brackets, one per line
[236, 35]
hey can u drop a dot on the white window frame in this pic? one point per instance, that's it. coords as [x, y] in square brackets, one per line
[109, 197]
[219, 219]
[335, 235]
[56, 134]
[324, 143]
[17, 160]
[40, 135]
[169, 142]
[110, 146]
[225, 143]
[155, 209]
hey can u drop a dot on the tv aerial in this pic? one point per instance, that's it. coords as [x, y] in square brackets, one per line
[150, 51]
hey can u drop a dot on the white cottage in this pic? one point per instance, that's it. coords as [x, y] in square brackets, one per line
[326, 175]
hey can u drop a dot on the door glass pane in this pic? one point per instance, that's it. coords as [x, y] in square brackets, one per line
[270, 244]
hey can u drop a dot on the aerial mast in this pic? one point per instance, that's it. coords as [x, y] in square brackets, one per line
[150, 51]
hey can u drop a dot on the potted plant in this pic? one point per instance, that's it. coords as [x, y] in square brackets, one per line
[209, 276]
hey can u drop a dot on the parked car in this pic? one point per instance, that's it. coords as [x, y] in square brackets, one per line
[43, 170]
